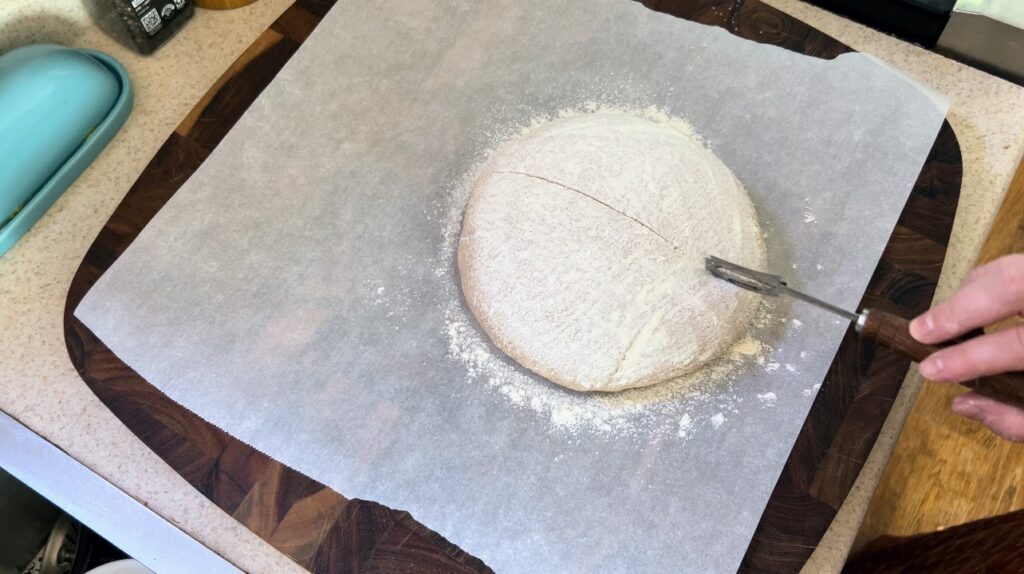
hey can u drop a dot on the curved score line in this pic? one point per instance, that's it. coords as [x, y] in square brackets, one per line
[592, 198]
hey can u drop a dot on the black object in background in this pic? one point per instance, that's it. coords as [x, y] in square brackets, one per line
[36, 535]
[143, 24]
[26, 520]
[919, 21]
[93, 551]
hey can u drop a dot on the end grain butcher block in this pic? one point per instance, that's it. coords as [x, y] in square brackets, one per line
[326, 532]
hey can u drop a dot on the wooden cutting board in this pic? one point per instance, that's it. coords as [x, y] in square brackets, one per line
[326, 532]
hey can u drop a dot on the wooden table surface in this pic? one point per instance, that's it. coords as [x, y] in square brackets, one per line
[326, 532]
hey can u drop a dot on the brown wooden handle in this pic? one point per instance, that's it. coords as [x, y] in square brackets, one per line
[893, 331]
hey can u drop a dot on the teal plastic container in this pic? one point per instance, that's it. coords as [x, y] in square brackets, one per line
[59, 107]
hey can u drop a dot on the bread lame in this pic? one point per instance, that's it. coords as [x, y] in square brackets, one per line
[884, 328]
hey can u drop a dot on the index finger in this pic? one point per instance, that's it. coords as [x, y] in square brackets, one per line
[993, 293]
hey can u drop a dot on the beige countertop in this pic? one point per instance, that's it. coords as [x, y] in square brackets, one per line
[40, 388]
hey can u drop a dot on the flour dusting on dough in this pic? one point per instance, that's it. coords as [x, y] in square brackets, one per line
[583, 245]
[680, 402]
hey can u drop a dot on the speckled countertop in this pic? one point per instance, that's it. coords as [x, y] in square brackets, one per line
[39, 387]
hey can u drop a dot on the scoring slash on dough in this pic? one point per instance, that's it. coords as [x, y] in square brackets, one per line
[582, 249]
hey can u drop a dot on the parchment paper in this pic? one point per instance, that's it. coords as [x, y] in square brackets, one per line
[290, 292]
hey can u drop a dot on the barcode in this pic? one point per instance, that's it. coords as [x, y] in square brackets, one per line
[151, 21]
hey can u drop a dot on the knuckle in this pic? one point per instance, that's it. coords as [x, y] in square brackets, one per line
[977, 273]
[947, 316]
[1018, 342]
[1012, 430]
[1012, 270]
[958, 365]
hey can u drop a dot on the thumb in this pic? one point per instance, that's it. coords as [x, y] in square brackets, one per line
[1004, 420]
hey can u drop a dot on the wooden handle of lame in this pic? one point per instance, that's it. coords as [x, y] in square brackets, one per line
[893, 332]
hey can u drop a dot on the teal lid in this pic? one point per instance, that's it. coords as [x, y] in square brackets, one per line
[58, 108]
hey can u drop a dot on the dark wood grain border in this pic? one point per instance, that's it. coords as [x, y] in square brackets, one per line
[326, 532]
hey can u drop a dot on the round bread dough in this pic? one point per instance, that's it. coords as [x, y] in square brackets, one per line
[583, 245]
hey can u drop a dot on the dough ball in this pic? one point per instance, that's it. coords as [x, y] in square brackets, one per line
[583, 245]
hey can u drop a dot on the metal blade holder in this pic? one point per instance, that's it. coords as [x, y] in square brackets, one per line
[767, 284]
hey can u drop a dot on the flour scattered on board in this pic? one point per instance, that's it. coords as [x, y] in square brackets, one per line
[768, 399]
[748, 347]
[684, 404]
[812, 390]
[622, 413]
[685, 424]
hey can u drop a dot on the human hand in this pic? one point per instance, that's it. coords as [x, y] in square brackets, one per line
[990, 293]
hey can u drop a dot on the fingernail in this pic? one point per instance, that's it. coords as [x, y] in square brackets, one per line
[966, 407]
[932, 367]
[922, 325]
